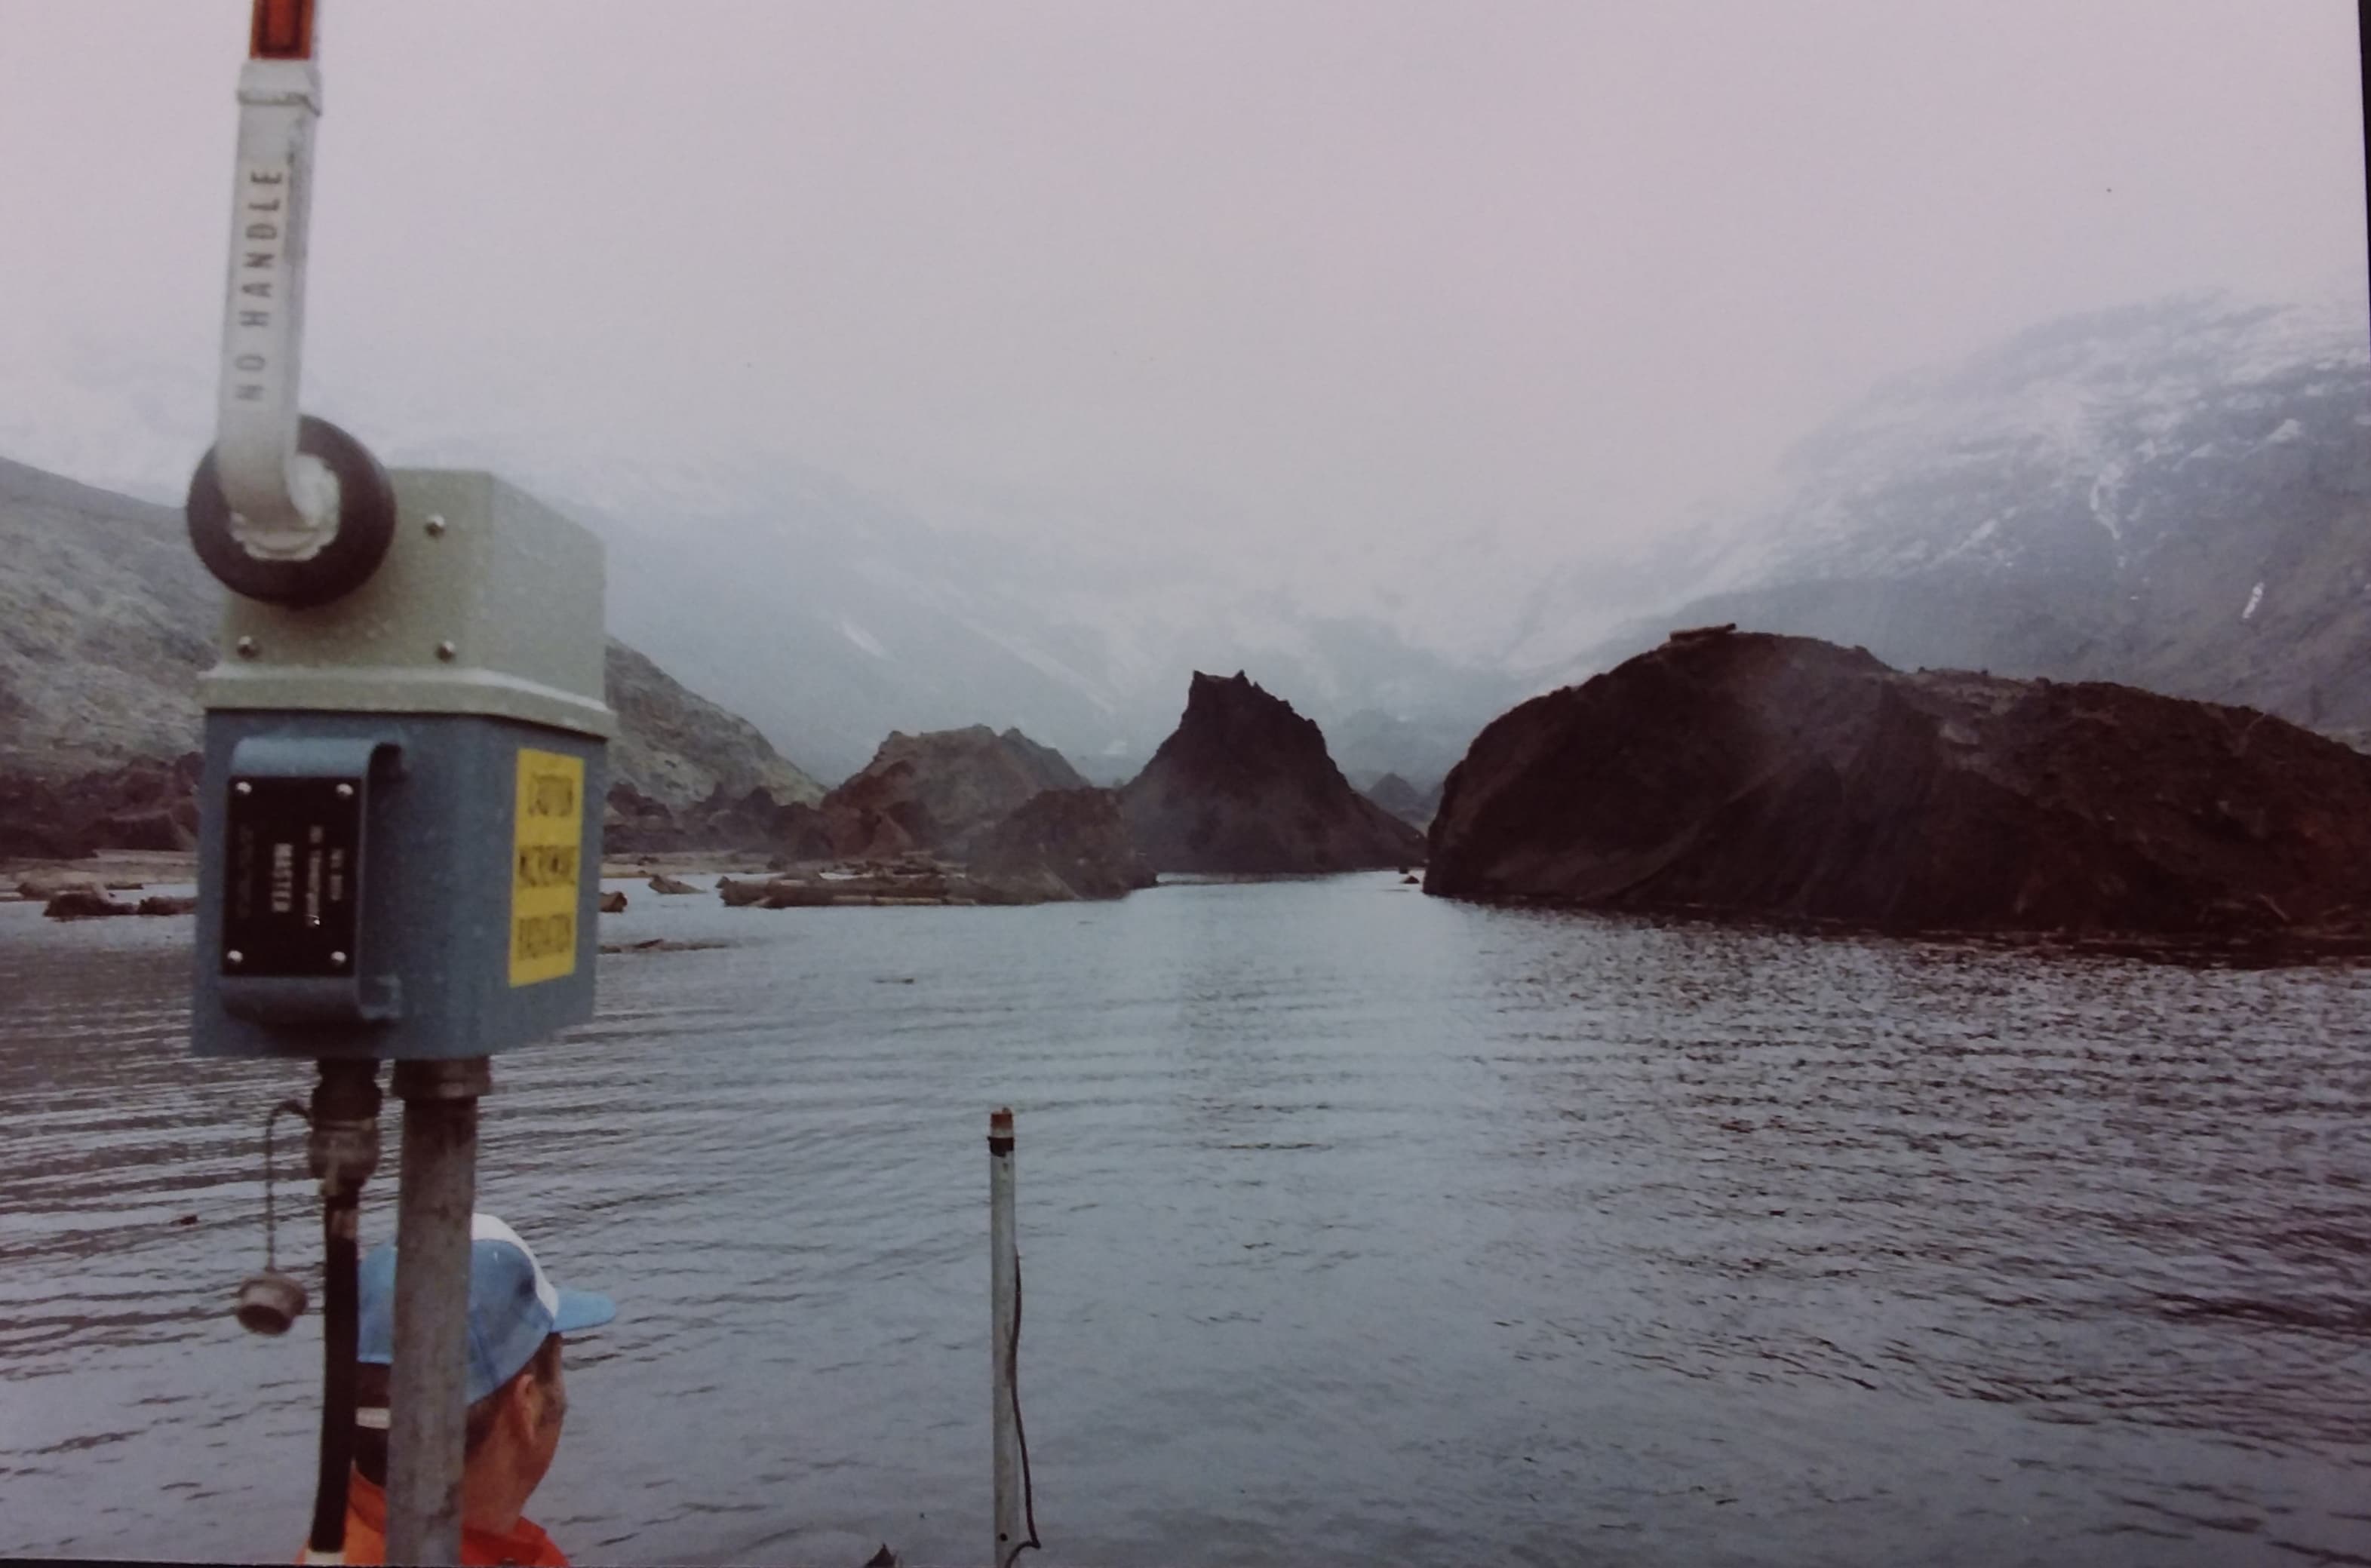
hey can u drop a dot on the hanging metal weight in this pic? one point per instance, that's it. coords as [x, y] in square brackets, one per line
[270, 1302]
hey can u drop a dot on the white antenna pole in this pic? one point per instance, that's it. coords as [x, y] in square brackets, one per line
[283, 503]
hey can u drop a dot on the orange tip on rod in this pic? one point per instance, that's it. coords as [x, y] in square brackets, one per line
[283, 30]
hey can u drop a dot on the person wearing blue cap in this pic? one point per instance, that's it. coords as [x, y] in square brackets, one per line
[517, 1401]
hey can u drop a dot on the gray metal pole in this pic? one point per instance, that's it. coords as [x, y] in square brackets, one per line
[1004, 1281]
[428, 1403]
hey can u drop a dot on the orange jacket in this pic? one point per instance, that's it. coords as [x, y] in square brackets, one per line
[524, 1544]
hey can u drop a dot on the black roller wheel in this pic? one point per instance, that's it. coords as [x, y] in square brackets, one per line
[365, 526]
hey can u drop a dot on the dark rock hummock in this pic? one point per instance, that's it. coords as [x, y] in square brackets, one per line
[636, 823]
[663, 883]
[1244, 786]
[142, 804]
[167, 904]
[1058, 845]
[927, 794]
[1076, 836]
[1780, 776]
[935, 791]
[613, 902]
[859, 821]
[756, 820]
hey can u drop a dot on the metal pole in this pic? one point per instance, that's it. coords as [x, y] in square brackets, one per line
[428, 1404]
[1004, 1279]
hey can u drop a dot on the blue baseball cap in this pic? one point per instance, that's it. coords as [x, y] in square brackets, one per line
[514, 1306]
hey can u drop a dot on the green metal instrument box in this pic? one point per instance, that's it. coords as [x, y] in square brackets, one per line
[400, 819]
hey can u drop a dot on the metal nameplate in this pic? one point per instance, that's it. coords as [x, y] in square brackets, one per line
[293, 881]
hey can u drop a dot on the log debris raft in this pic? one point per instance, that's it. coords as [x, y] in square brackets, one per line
[88, 901]
[908, 881]
[1742, 773]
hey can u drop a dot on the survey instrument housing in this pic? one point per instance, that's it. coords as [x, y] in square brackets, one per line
[399, 838]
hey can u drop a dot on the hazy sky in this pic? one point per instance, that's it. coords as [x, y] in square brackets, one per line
[1331, 275]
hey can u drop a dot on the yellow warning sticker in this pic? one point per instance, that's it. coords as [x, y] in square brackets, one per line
[546, 838]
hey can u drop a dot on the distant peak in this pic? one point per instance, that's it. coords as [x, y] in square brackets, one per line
[1234, 712]
[1235, 688]
[1245, 784]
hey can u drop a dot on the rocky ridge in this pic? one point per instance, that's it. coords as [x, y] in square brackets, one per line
[952, 817]
[1744, 773]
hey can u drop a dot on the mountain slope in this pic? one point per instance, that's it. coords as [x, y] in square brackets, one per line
[886, 622]
[824, 614]
[679, 748]
[107, 619]
[2176, 496]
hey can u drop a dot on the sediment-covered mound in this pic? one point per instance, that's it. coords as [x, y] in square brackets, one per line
[1781, 775]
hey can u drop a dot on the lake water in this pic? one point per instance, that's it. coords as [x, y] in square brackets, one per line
[1356, 1228]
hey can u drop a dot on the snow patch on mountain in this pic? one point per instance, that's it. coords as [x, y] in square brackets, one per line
[2073, 418]
[2174, 495]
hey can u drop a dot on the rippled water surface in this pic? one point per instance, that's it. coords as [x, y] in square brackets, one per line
[1356, 1228]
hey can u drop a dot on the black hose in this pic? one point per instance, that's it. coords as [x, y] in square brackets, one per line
[341, 1334]
[1020, 1432]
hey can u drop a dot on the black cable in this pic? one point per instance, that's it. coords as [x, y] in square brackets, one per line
[341, 1337]
[344, 1151]
[1020, 1432]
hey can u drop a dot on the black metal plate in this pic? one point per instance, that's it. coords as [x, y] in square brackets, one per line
[293, 881]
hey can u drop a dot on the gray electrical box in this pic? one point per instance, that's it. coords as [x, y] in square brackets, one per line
[399, 850]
